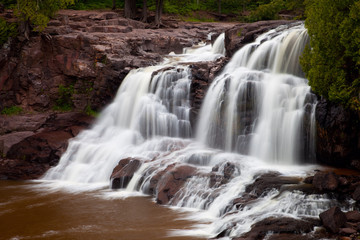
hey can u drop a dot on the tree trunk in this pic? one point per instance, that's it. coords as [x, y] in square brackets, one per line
[114, 5]
[130, 9]
[159, 8]
[144, 11]
[219, 6]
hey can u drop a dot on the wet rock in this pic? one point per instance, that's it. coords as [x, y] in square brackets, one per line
[338, 135]
[203, 73]
[172, 181]
[221, 174]
[241, 34]
[293, 227]
[356, 194]
[33, 152]
[123, 172]
[325, 181]
[268, 181]
[353, 216]
[333, 219]
[347, 231]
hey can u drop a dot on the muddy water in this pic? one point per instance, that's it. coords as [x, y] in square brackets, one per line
[27, 213]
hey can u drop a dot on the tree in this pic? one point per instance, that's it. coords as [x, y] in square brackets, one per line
[144, 11]
[159, 9]
[332, 64]
[35, 14]
[130, 9]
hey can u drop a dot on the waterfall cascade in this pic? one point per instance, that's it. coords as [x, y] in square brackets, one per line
[260, 106]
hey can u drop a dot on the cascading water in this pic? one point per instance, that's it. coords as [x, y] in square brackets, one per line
[259, 105]
[256, 105]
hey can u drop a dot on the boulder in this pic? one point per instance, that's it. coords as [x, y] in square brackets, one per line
[33, 152]
[172, 181]
[284, 225]
[325, 181]
[221, 174]
[123, 172]
[356, 194]
[353, 216]
[333, 219]
[268, 181]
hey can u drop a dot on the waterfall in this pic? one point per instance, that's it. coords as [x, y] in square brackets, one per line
[259, 106]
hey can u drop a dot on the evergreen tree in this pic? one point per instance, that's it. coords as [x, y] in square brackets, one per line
[332, 64]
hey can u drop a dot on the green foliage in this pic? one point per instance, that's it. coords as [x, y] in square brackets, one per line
[64, 101]
[94, 4]
[7, 30]
[332, 64]
[267, 11]
[38, 12]
[13, 110]
[91, 112]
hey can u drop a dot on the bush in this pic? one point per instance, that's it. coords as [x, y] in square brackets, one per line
[6, 30]
[13, 110]
[332, 64]
[64, 101]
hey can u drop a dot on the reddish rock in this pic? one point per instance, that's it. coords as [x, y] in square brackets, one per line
[268, 181]
[325, 181]
[356, 194]
[338, 135]
[33, 152]
[218, 178]
[347, 231]
[123, 172]
[241, 34]
[294, 227]
[333, 219]
[172, 181]
[353, 216]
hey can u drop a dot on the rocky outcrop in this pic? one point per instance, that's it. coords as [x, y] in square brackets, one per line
[88, 53]
[244, 33]
[203, 73]
[338, 135]
[123, 172]
[32, 144]
[340, 223]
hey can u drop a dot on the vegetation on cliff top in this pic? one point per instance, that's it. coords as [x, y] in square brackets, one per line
[332, 64]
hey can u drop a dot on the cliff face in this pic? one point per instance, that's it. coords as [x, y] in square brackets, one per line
[88, 53]
[338, 135]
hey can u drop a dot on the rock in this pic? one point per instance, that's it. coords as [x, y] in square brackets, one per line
[241, 34]
[356, 194]
[353, 216]
[203, 73]
[268, 181]
[33, 152]
[15, 169]
[123, 172]
[172, 181]
[325, 181]
[282, 225]
[347, 231]
[333, 219]
[221, 174]
[89, 51]
[338, 135]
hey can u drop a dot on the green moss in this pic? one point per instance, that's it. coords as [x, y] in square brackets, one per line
[89, 111]
[64, 101]
[13, 110]
[7, 30]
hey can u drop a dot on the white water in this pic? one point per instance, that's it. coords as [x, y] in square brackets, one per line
[257, 106]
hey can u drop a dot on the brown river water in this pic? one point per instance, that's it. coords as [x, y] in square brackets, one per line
[28, 213]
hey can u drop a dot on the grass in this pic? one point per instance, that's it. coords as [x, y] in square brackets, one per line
[13, 110]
